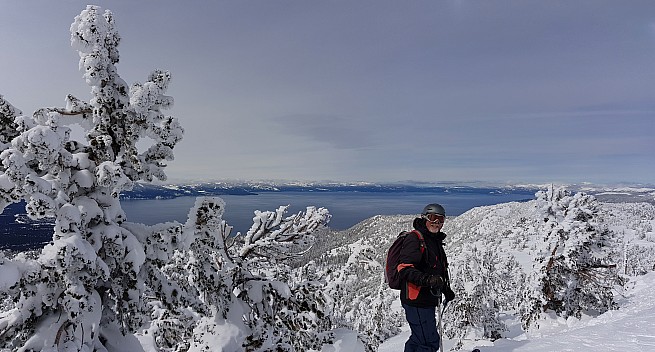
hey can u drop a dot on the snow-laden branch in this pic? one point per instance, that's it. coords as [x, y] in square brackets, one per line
[278, 238]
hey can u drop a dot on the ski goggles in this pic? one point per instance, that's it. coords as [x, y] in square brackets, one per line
[435, 218]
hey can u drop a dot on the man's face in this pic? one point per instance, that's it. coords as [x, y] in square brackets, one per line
[434, 222]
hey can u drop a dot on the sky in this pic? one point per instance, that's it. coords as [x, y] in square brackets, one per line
[372, 90]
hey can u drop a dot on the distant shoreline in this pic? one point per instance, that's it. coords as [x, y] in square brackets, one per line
[349, 203]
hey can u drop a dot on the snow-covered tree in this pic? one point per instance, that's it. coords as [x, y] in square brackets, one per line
[636, 250]
[280, 315]
[85, 284]
[8, 128]
[219, 283]
[486, 283]
[573, 273]
[8, 131]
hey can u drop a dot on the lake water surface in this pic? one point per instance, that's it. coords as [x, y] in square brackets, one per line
[346, 208]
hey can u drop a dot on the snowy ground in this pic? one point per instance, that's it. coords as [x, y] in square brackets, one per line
[631, 328]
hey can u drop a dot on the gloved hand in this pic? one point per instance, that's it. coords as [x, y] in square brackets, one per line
[433, 281]
[448, 293]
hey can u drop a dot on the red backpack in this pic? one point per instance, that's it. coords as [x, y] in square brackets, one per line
[391, 276]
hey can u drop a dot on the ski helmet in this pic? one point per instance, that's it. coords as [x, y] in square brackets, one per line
[434, 208]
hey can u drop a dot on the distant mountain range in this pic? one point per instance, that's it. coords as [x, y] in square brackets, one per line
[151, 191]
[616, 193]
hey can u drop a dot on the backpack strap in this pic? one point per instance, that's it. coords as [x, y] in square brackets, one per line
[420, 237]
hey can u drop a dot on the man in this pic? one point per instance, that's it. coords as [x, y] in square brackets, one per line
[423, 270]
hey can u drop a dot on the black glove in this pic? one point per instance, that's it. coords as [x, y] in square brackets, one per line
[432, 281]
[448, 293]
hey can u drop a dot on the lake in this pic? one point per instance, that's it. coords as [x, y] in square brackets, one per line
[346, 208]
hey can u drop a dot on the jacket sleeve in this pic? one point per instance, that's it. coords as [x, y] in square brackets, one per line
[410, 260]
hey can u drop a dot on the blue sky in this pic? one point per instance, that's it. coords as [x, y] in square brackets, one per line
[503, 91]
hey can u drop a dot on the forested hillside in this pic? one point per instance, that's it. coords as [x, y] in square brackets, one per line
[505, 264]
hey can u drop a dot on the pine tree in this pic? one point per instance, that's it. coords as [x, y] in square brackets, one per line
[206, 283]
[574, 274]
[85, 283]
[484, 282]
[9, 129]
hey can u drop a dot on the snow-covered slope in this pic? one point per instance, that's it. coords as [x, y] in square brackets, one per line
[630, 328]
[351, 262]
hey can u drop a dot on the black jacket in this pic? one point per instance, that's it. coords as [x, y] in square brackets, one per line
[417, 266]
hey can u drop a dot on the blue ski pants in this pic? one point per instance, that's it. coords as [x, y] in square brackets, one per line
[422, 322]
